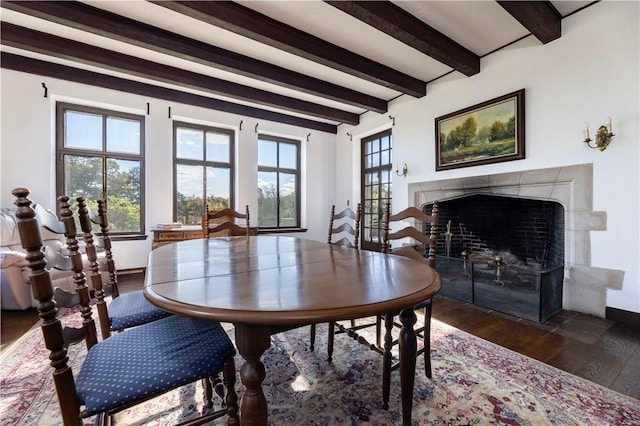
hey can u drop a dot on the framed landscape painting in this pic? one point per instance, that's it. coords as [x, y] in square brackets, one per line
[489, 132]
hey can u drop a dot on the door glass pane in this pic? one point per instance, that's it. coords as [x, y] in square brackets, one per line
[368, 161]
[189, 144]
[288, 157]
[385, 143]
[83, 130]
[385, 157]
[384, 190]
[218, 147]
[267, 153]
[375, 160]
[123, 135]
[375, 145]
[123, 195]
[368, 178]
[267, 199]
[367, 192]
[189, 190]
[218, 188]
[288, 208]
[385, 176]
[368, 146]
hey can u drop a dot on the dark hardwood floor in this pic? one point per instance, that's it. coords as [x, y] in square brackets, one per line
[600, 350]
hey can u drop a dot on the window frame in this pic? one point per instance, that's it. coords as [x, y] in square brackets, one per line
[62, 150]
[203, 163]
[297, 172]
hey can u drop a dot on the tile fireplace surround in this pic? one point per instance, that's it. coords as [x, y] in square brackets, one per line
[585, 287]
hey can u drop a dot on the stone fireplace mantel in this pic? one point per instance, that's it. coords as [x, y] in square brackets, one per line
[585, 287]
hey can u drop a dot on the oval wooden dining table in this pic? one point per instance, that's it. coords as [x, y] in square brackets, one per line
[268, 284]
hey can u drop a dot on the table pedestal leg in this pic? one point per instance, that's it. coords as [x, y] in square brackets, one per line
[407, 348]
[251, 342]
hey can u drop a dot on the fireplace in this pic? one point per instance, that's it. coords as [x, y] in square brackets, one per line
[503, 253]
[584, 287]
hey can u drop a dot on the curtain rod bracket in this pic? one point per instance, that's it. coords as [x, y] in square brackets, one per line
[44, 86]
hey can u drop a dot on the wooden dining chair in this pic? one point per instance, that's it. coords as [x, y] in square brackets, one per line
[127, 368]
[223, 222]
[344, 230]
[341, 228]
[127, 310]
[423, 249]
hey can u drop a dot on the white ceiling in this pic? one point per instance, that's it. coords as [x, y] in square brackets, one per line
[480, 26]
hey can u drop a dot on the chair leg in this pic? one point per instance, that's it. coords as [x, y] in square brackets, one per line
[231, 398]
[379, 331]
[207, 392]
[330, 336]
[312, 337]
[386, 361]
[426, 335]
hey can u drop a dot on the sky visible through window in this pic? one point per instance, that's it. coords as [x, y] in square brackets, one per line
[268, 156]
[190, 146]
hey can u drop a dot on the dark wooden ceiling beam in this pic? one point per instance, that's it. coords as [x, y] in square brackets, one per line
[539, 17]
[36, 41]
[256, 26]
[87, 18]
[401, 25]
[43, 68]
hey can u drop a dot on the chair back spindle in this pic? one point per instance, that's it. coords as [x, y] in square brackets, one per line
[94, 268]
[101, 219]
[82, 290]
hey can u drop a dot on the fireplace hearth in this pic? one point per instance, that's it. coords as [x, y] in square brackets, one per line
[583, 286]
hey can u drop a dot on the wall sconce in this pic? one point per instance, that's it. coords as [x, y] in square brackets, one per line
[404, 171]
[603, 136]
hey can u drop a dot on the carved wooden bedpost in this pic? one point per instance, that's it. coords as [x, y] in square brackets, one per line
[42, 288]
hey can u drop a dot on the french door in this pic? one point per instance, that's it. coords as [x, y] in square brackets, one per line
[376, 187]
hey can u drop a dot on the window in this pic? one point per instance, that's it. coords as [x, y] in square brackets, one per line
[100, 154]
[278, 182]
[203, 170]
[376, 187]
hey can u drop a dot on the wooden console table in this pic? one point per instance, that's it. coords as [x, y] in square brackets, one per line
[169, 236]
[162, 237]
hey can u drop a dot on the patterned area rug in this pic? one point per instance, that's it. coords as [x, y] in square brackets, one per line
[474, 383]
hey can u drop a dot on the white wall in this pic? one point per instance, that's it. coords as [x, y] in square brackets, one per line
[589, 74]
[28, 128]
